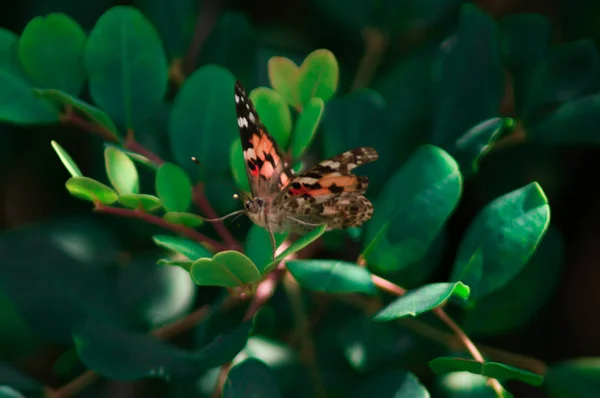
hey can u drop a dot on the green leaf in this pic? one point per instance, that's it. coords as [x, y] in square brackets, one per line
[283, 76]
[501, 239]
[466, 385]
[51, 52]
[423, 299]
[469, 76]
[250, 378]
[228, 268]
[126, 66]
[490, 369]
[92, 113]
[188, 219]
[173, 187]
[258, 246]
[103, 347]
[318, 77]
[140, 201]
[519, 301]
[188, 248]
[8, 40]
[19, 381]
[203, 122]
[238, 166]
[306, 126]
[66, 160]
[332, 276]
[186, 265]
[91, 190]
[134, 156]
[9, 392]
[472, 146]
[19, 104]
[121, 171]
[274, 113]
[416, 202]
[390, 384]
[578, 377]
[298, 245]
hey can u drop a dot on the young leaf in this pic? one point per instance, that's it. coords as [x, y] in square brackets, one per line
[318, 77]
[203, 122]
[91, 112]
[298, 245]
[391, 383]
[89, 189]
[423, 299]
[258, 246]
[250, 378]
[469, 76]
[51, 52]
[173, 187]
[66, 160]
[274, 113]
[501, 240]
[229, 268]
[416, 202]
[306, 126]
[238, 166]
[578, 377]
[283, 76]
[121, 171]
[188, 248]
[186, 265]
[19, 104]
[140, 201]
[490, 369]
[331, 276]
[126, 66]
[188, 219]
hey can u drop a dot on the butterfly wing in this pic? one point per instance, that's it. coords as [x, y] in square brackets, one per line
[267, 172]
[328, 192]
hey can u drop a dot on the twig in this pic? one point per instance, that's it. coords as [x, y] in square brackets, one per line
[161, 222]
[71, 118]
[375, 45]
[132, 144]
[179, 326]
[205, 22]
[204, 205]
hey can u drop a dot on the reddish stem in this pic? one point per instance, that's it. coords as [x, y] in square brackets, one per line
[135, 146]
[204, 205]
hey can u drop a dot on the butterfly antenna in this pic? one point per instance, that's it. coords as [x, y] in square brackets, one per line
[237, 212]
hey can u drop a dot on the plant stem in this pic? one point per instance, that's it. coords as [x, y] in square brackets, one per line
[375, 45]
[179, 326]
[161, 222]
[205, 21]
[204, 205]
[132, 144]
[71, 118]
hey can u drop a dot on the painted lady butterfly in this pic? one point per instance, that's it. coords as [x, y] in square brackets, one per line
[281, 201]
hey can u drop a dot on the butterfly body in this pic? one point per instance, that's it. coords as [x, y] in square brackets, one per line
[327, 193]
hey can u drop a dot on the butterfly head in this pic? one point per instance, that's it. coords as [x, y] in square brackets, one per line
[255, 208]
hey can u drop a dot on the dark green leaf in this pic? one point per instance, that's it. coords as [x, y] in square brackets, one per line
[501, 240]
[469, 76]
[8, 40]
[228, 268]
[274, 113]
[51, 52]
[574, 378]
[250, 379]
[18, 381]
[520, 300]
[175, 23]
[306, 126]
[416, 202]
[390, 384]
[88, 189]
[283, 75]
[188, 219]
[9, 392]
[94, 114]
[299, 244]
[332, 276]
[173, 187]
[238, 166]
[423, 299]
[186, 265]
[66, 160]
[318, 77]
[19, 104]
[121, 171]
[258, 246]
[126, 65]
[203, 107]
[188, 248]
[140, 201]
[490, 369]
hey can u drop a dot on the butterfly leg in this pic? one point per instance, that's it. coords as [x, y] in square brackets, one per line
[273, 243]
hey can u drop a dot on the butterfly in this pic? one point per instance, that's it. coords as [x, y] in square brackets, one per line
[327, 193]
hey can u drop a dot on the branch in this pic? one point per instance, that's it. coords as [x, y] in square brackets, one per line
[205, 21]
[375, 43]
[161, 222]
[204, 205]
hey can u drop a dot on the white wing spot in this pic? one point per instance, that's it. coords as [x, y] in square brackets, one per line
[242, 122]
[250, 154]
[252, 118]
[237, 98]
